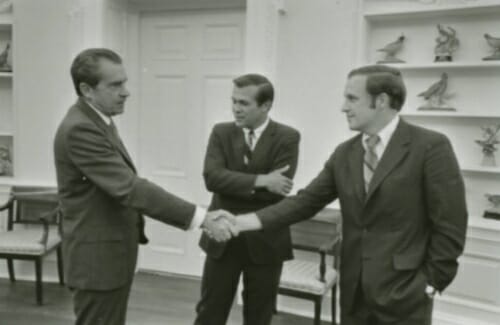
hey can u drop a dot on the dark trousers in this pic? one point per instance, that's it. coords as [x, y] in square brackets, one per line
[363, 315]
[93, 307]
[220, 282]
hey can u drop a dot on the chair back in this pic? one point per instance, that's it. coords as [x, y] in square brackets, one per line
[311, 234]
[29, 203]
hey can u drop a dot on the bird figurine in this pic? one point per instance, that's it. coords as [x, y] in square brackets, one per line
[435, 94]
[391, 49]
[3, 58]
[493, 212]
[446, 43]
[494, 42]
[489, 144]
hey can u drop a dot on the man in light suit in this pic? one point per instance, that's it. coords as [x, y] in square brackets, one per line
[101, 197]
[403, 206]
[249, 164]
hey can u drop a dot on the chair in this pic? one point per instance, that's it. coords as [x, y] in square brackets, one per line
[33, 231]
[313, 280]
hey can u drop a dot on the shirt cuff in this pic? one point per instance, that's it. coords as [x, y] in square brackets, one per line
[198, 218]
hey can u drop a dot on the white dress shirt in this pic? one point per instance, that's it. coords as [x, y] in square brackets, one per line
[257, 132]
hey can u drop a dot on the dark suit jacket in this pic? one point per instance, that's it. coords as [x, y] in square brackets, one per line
[102, 200]
[407, 231]
[232, 183]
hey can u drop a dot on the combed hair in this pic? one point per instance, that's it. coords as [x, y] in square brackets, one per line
[265, 91]
[383, 79]
[85, 66]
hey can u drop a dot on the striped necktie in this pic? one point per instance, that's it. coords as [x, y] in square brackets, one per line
[250, 139]
[370, 159]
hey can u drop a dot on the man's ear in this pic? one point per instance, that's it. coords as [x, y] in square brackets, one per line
[383, 100]
[85, 89]
[267, 105]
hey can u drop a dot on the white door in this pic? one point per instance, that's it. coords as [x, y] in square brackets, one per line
[188, 61]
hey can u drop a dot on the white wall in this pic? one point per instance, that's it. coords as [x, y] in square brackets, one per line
[316, 47]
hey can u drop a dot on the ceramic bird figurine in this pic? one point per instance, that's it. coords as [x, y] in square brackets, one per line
[391, 49]
[494, 42]
[493, 212]
[446, 43]
[435, 94]
[493, 199]
[3, 58]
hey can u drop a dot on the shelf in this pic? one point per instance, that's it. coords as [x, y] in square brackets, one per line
[483, 223]
[432, 11]
[481, 169]
[449, 114]
[446, 65]
[5, 74]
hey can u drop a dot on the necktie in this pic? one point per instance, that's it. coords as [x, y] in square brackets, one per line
[370, 160]
[250, 140]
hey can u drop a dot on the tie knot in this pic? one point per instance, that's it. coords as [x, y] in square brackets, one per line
[251, 132]
[372, 141]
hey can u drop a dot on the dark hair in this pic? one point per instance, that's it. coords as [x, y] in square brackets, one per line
[85, 67]
[265, 91]
[383, 79]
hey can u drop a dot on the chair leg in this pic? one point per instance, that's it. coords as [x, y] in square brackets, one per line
[10, 267]
[334, 305]
[38, 271]
[317, 311]
[60, 266]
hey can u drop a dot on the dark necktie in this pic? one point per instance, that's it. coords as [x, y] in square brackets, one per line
[370, 159]
[250, 139]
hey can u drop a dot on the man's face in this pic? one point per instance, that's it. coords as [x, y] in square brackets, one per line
[357, 102]
[247, 113]
[110, 94]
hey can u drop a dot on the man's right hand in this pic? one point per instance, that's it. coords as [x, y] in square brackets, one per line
[219, 225]
[275, 181]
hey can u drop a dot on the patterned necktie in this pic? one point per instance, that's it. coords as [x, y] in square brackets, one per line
[370, 159]
[250, 139]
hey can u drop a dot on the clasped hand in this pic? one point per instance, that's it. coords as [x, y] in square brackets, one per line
[220, 225]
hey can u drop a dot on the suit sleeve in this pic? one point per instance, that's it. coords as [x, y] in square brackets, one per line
[93, 154]
[321, 191]
[220, 179]
[447, 212]
[288, 154]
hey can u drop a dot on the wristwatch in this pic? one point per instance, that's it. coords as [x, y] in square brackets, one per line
[430, 291]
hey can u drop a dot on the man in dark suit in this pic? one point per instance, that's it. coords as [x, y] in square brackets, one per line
[403, 206]
[249, 164]
[102, 199]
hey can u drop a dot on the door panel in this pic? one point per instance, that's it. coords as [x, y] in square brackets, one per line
[188, 61]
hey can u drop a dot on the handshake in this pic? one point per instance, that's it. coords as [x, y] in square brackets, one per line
[220, 225]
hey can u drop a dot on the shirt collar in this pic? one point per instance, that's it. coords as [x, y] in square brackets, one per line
[258, 131]
[106, 119]
[386, 132]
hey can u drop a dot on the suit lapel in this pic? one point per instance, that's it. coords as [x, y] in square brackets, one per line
[263, 146]
[356, 168]
[396, 150]
[238, 143]
[92, 115]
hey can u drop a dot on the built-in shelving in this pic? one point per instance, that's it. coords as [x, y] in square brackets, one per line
[430, 12]
[481, 169]
[455, 114]
[447, 65]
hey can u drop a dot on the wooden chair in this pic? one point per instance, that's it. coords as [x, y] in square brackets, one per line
[33, 231]
[313, 280]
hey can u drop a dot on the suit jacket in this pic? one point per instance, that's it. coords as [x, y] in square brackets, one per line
[405, 233]
[232, 183]
[102, 200]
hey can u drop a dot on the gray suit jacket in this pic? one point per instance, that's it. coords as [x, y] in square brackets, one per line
[406, 232]
[102, 200]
